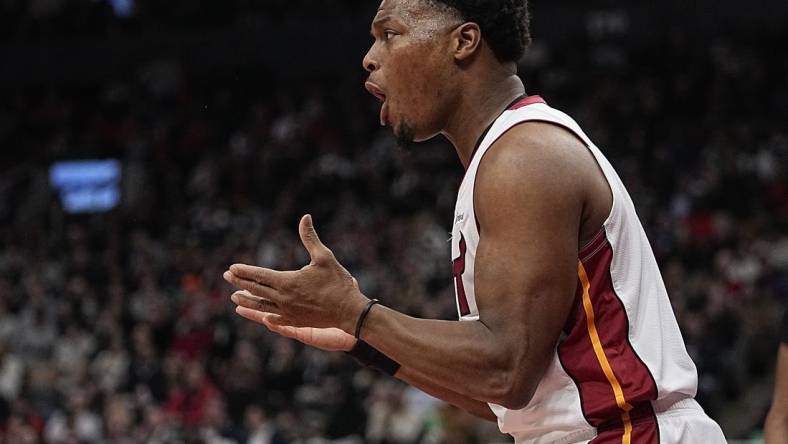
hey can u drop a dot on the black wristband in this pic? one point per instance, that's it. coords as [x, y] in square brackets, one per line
[363, 316]
[371, 357]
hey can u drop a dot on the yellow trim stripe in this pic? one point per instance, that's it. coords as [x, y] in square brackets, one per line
[599, 351]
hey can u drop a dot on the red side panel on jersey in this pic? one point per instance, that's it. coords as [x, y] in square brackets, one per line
[615, 385]
[643, 431]
[459, 269]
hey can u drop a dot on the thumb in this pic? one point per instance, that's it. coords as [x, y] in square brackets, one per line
[315, 248]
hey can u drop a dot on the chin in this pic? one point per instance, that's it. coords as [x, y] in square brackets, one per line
[404, 135]
[405, 132]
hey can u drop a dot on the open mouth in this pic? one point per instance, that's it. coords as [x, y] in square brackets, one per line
[376, 91]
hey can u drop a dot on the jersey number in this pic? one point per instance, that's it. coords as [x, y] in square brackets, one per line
[459, 269]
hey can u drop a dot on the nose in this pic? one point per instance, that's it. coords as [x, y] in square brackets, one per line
[370, 61]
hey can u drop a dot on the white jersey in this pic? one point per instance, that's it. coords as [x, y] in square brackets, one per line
[621, 361]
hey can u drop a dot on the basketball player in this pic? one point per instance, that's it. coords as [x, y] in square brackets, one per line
[567, 333]
[776, 427]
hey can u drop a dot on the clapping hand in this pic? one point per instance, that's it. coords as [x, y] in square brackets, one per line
[317, 305]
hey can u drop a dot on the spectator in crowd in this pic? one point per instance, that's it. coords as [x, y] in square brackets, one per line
[114, 327]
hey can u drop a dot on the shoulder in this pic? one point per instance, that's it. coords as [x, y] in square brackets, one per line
[541, 172]
[536, 158]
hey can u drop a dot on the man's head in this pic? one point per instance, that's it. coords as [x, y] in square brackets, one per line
[427, 51]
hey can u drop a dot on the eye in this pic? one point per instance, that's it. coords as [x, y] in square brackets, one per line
[388, 34]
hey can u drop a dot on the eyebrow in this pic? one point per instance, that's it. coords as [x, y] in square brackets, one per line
[382, 19]
[377, 22]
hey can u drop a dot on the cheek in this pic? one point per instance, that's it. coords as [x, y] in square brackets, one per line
[419, 85]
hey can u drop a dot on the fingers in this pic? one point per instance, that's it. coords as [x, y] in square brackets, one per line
[254, 302]
[252, 315]
[273, 320]
[258, 316]
[317, 251]
[252, 286]
[269, 320]
[263, 276]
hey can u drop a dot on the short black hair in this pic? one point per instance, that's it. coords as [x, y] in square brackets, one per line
[505, 24]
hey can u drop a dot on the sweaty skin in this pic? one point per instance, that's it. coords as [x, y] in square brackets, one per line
[539, 196]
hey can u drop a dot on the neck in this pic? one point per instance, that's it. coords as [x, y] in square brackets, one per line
[479, 105]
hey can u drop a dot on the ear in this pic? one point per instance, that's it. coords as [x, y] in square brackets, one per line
[466, 39]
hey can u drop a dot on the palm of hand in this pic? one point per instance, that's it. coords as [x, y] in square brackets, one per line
[328, 339]
[322, 294]
[306, 305]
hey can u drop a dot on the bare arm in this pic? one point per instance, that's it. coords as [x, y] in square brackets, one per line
[472, 406]
[529, 203]
[529, 209]
[334, 339]
[776, 427]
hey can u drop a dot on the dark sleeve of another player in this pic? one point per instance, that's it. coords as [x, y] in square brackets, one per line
[784, 332]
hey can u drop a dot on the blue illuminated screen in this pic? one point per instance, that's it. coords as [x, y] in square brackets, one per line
[87, 186]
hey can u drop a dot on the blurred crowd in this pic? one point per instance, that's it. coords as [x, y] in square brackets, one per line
[116, 327]
[49, 20]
